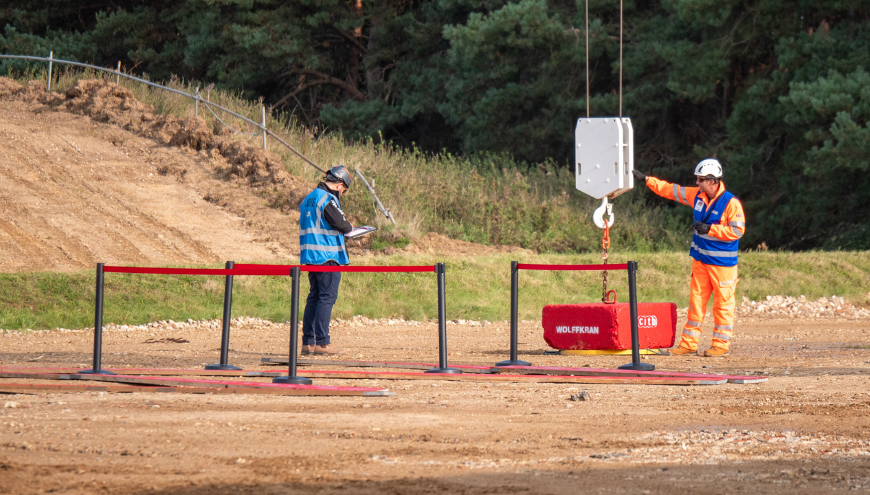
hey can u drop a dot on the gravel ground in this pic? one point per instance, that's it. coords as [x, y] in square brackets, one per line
[803, 431]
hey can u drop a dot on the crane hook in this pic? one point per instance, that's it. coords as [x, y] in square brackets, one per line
[598, 216]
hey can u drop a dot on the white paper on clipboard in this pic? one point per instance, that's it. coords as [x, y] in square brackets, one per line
[360, 231]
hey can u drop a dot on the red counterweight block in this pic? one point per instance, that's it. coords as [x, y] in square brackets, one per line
[608, 326]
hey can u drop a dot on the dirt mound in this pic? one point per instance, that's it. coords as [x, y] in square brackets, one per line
[105, 101]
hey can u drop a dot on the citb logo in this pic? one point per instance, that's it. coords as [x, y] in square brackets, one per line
[649, 321]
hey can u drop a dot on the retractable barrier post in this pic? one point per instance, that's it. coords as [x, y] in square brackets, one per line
[291, 377]
[225, 331]
[515, 289]
[98, 328]
[442, 325]
[635, 365]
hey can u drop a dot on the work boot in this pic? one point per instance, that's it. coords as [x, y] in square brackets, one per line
[328, 350]
[715, 352]
[681, 351]
[306, 350]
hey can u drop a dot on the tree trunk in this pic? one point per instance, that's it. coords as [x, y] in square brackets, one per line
[373, 60]
[353, 58]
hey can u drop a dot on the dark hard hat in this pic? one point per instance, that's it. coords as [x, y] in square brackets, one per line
[339, 173]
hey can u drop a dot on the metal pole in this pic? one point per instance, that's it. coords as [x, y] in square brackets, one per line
[515, 291]
[98, 328]
[225, 331]
[442, 325]
[196, 103]
[264, 127]
[386, 213]
[118, 74]
[635, 339]
[50, 63]
[291, 377]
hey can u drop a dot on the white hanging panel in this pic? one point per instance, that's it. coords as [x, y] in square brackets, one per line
[599, 151]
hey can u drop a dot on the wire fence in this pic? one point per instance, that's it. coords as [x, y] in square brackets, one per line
[50, 60]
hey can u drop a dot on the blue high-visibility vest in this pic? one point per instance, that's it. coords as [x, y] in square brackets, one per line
[318, 241]
[705, 248]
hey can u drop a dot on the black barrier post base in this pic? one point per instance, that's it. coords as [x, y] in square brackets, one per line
[291, 378]
[635, 365]
[513, 362]
[96, 372]
[638, 367]
[450, 371]
[221, 367]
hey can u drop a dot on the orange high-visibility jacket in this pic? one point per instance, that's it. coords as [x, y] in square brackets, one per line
[733, 223]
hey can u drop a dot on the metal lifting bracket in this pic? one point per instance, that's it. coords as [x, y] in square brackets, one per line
[605, 209]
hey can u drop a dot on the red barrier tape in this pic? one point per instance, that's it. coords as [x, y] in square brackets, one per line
[248, 269]
[321, 268]
[171, 271]
[613, 266]
[257, 265]
[409, 269]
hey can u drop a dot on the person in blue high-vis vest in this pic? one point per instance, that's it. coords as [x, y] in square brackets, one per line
[322, 226]
[719, 223]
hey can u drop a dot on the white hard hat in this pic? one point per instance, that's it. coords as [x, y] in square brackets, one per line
[709, 169]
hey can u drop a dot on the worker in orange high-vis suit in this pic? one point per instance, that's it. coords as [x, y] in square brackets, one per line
[719, 225]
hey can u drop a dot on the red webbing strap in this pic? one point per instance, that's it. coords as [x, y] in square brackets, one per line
[267, 270]
[622, 266]
[248, 269]
[257, 265]
[321, 268]
[169, 271]
[408, 269]
[198, 271]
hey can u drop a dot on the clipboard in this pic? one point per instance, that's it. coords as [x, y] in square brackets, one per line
[359, 232]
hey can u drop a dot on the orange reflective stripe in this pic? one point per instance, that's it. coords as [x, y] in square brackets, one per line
[691, 333]
[674, 192]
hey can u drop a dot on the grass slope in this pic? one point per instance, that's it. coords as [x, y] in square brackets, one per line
[477, 288]
[488, 198]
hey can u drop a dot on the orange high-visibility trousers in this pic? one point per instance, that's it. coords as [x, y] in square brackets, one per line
[721, 282]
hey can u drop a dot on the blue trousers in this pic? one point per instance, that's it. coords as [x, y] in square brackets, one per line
[318, 307]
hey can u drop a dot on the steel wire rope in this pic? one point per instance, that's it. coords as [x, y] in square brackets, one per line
[587, 59]
[620, 57]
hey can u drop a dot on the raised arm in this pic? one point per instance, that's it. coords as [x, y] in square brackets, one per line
[685, 195]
